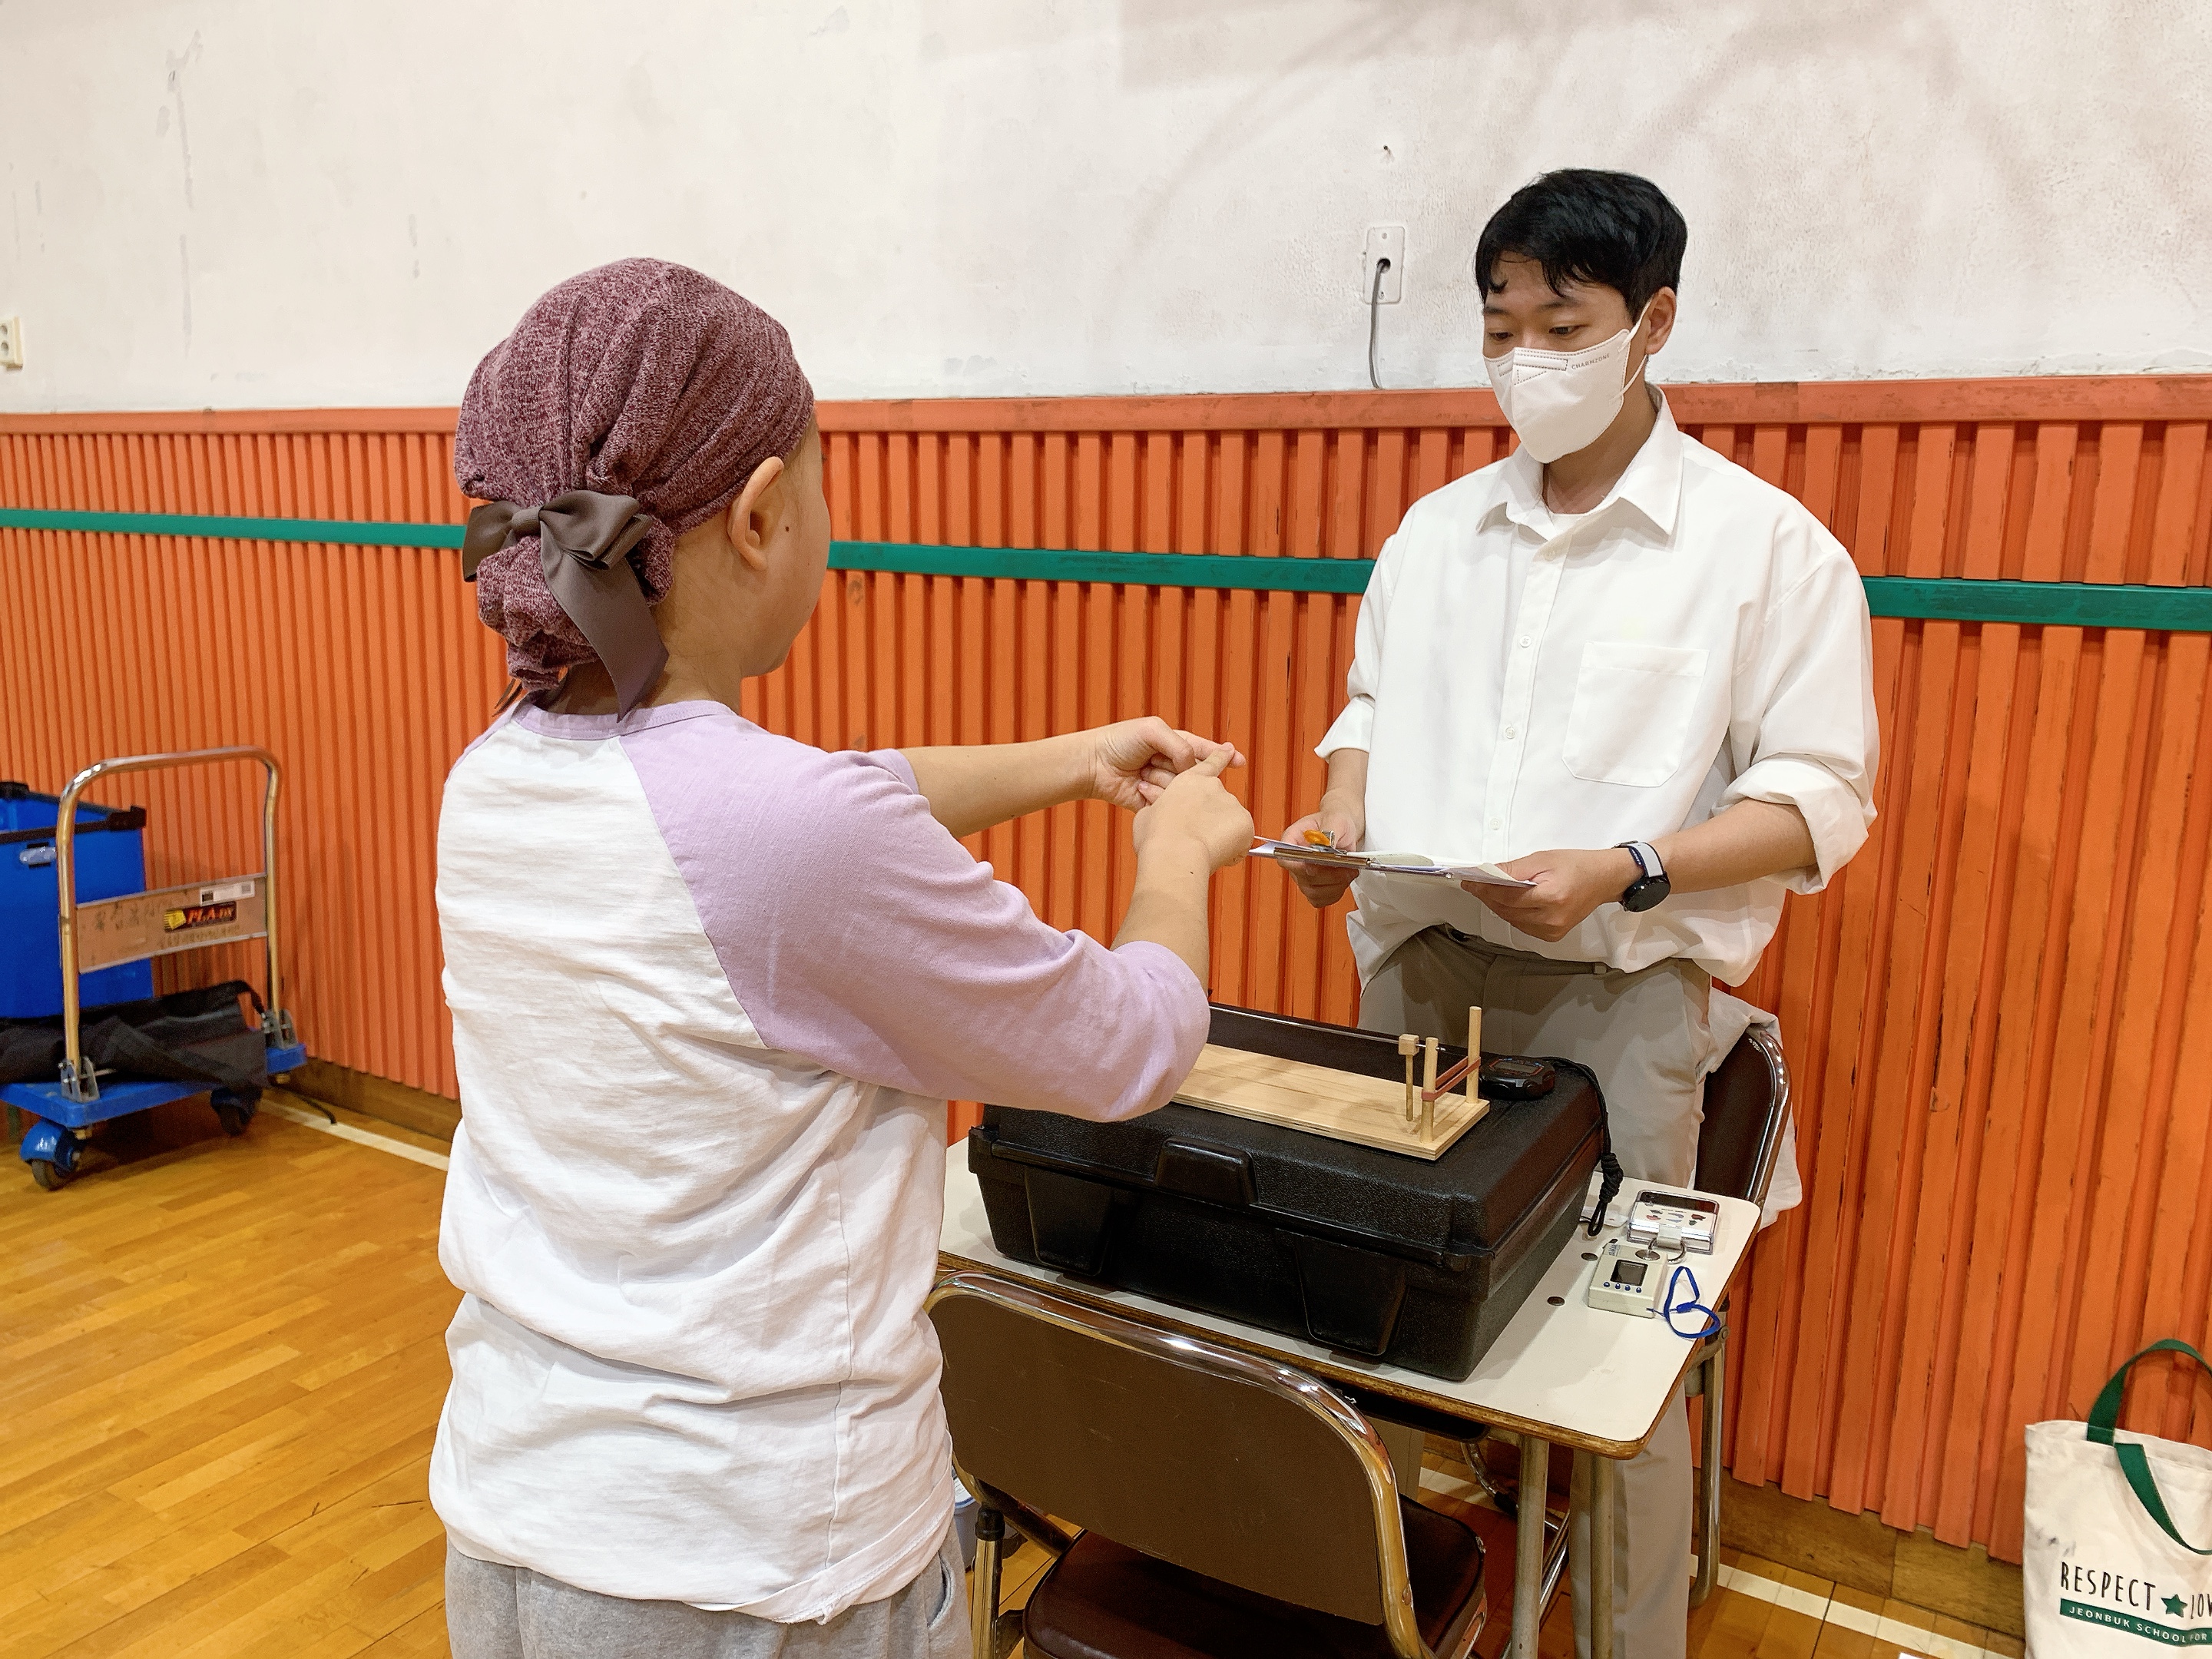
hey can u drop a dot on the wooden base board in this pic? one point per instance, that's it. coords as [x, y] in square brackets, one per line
[1863, 1553]
[375, 1097]
[1341, 1105]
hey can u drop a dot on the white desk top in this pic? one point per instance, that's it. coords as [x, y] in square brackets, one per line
[1573, 1374]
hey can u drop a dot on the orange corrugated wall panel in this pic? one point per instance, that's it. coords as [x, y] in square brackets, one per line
[1999, 1018]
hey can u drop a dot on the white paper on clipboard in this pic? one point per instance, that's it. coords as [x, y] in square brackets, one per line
[1412, 865]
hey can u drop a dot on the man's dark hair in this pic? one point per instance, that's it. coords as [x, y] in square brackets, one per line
[1583, 226]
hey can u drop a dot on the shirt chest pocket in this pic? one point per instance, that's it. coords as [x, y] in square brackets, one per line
[1633, 709]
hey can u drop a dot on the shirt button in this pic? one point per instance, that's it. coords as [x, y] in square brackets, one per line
[1497, 823]
[1511, 732]
[1525, 641]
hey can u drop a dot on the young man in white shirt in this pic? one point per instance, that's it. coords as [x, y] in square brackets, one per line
[1639, 678]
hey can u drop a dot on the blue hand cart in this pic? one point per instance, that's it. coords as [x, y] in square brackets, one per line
[107, 933]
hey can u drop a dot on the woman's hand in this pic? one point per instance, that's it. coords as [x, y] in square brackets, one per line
[1324, 883]
[1570, 886]
[1193, 820]
[1193, 828]
[1131, 763]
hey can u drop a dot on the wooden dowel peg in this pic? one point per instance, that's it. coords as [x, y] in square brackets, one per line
[1474, 1055]
[1429, 1087]
[1409, 1045]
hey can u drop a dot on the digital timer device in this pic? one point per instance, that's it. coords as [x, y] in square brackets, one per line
[1627, 1279]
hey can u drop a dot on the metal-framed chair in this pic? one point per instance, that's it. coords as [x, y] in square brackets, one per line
[1231, 1505]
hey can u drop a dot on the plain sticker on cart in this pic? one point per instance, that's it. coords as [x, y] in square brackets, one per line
[228, 890]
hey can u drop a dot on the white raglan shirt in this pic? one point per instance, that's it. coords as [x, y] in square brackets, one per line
[711, 989]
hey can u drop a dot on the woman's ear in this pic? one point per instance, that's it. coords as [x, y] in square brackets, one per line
[752, 516]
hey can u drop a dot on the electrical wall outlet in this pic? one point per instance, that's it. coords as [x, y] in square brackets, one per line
[1383, 242]
[11, 343]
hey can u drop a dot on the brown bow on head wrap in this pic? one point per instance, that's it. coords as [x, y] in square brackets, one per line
[631, 405]
[584, 540]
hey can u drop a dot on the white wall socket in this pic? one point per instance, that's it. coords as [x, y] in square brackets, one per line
[11, 343]
[1383, 242]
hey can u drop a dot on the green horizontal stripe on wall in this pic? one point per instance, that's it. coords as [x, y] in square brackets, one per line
[1136, 570]
[1934, 598]
[2050, 604]
[339, 531]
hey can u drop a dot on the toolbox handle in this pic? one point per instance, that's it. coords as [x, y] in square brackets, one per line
[1218, 1175]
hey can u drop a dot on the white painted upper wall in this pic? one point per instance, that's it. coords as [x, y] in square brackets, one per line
[270, 203]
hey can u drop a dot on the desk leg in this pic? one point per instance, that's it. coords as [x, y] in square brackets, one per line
[1529, 1546]
[1605, 1475]
[1709, 1472]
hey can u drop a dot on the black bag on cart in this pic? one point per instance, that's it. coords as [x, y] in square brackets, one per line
[186, 1037]
[1372, 1253]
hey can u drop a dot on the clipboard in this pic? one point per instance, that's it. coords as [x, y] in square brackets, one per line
[1414, 865]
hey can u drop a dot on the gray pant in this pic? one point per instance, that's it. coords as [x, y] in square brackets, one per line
[1648, 1038]
[511, 1613]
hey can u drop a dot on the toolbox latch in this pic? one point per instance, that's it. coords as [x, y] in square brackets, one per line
[1214, 1173]
[1068, 1221]
[1352, 1295]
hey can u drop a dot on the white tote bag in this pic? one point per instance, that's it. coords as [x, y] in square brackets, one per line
[2109, 1568]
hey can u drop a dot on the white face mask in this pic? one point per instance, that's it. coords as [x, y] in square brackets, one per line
[1560, 401]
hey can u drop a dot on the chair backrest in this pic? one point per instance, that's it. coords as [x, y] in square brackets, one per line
[1225, 1464]
[1747, 1103]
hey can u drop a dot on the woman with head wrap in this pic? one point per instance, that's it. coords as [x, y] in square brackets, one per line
[711, 989]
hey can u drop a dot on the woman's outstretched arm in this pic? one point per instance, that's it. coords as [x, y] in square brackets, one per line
[1128, 765]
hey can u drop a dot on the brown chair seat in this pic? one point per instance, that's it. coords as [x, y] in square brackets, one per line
[1102, 1601]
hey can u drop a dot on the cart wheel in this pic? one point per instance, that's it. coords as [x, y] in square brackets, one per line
[52, 1153]
[235, 1113]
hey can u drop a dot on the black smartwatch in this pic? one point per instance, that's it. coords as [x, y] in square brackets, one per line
[1653, 885]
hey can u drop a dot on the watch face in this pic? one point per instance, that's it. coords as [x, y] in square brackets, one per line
[1646, 893]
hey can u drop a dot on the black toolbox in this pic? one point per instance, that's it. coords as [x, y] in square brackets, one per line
[1372, 1253]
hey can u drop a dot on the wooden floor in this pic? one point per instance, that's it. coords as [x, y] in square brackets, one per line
[1746, 1621]
[221, 1363]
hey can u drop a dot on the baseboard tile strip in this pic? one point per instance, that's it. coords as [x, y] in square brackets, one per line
[1917, 1642]
[1450, 1486]
[360, 1137]
[1782, 1596]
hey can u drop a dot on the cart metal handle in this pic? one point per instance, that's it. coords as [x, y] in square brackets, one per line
[65, 827]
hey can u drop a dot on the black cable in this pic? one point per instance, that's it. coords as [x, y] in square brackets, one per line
[1610, 1178]
[1374, 311]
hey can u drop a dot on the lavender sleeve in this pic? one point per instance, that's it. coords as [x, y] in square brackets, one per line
[859, 935]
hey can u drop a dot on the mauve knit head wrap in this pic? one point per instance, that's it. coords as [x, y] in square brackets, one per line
[640, 379]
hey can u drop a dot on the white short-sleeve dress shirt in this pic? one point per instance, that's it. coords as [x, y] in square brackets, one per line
[1524, 680]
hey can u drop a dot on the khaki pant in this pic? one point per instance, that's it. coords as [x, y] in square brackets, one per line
[1648, 1038]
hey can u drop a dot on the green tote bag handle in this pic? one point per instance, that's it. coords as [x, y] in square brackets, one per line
[2105, 1415]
